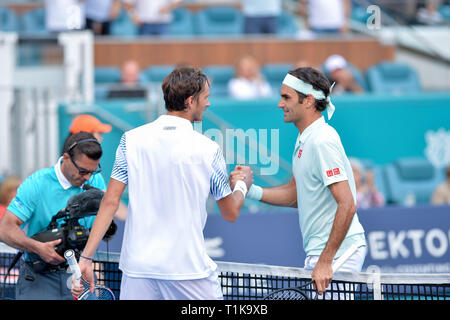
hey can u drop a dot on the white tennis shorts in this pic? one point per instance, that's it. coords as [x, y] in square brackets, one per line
[353, 264]
[155, 289]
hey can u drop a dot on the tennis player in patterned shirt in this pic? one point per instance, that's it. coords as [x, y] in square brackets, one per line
[170, 169]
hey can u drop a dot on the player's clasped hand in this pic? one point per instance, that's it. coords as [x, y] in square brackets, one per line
[243, 173]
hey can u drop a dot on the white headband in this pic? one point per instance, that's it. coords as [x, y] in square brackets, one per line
[306, 88]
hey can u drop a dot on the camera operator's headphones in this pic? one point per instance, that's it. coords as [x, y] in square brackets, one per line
[73, 145]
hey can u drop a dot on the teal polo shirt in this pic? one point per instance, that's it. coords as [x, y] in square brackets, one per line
[43, 194]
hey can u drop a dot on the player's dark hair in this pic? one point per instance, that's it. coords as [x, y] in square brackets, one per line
[180, 84]
[319, 82]
[83, 143]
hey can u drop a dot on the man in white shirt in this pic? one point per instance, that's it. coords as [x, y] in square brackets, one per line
[323, 187]
[261, 16]
[100, 13]
[64, 15]
[153, 17]
[326, 16]
[170, 169]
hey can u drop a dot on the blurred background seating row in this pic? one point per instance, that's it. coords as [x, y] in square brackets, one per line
[215, 20]
[385, 77]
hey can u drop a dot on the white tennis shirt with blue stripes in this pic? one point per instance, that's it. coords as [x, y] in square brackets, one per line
[170, 170]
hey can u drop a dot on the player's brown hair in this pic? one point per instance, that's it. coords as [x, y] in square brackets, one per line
[180, 84]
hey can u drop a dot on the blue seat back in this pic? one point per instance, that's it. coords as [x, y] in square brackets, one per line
[182, 23]
[33, 22]
[123, 26]
[393, 78]
[412, 176]
[219, 20]
[219, 75]
[274, 74]
[157, 73]
[287, 25]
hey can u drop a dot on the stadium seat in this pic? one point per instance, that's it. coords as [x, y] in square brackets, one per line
[33, 22]
[9, 20]
[412, 177]
[287, 25]
[393, 77]
[359, 14]
[123, 26]
[444, 10]
[274, 73]
[219, 20]
[182, 23]
[106, 75]
[219, 77]
[157, 73]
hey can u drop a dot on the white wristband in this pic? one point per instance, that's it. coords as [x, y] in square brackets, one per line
[240, 186]
[255, 192]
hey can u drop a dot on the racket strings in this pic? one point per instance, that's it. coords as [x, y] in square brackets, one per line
[99, 293]
[303, 292]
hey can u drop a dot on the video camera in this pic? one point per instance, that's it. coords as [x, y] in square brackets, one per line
[73, 235]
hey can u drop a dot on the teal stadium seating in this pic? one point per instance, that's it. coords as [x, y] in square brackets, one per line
[287, 25]
[219, 76]
[219, 20]
[123, 26]
[445, 11]
[393, 78]
[9, 21]
[33, 22]
[274, 73]
[104, 76]
[412, 176]
[182, 23]
[157, 73]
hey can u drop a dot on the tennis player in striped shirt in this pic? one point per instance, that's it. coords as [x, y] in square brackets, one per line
[170, 170]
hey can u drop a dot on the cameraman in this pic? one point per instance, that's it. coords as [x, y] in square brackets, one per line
[41, 196]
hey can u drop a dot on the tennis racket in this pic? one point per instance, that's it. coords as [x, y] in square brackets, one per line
[100, 292]
[298, 292]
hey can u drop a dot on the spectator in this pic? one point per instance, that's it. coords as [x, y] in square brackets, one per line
[429, 15]
[100, 13]
[8, 191]
[326, 16]
[248, 83]
[336, 68]
[153, 17]
[91, 124]
[129, 86]
[64, 15]
[261, 16]
[367, 194]
[442, 193]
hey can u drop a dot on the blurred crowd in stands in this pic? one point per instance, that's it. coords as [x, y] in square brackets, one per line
[189, 17]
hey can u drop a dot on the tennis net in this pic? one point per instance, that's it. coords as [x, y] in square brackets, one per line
[242, 281]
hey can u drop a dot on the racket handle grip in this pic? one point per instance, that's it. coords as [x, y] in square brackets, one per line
[73, 264]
